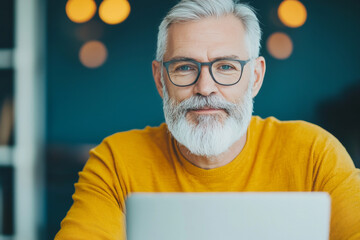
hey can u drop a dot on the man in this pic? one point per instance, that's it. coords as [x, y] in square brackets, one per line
[208, 70]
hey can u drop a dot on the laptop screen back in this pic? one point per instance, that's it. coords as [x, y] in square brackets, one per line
[228, 216]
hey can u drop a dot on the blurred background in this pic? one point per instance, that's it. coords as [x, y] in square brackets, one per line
[75, 71]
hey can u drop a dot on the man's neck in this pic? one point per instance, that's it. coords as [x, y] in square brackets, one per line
[214, 161]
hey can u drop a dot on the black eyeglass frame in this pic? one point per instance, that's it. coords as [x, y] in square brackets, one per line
[209, 64]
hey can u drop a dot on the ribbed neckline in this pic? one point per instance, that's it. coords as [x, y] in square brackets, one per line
[226, 169]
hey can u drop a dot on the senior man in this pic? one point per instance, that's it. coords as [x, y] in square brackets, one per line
[208, 70]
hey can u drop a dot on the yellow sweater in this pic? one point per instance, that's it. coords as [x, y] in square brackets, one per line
[278, 156]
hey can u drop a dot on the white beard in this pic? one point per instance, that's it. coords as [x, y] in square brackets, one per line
[211, 135]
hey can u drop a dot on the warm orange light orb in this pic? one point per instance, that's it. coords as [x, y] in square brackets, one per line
[279, 45]
[292, 13]
[80, 11]
[114, 11]
[93, 54]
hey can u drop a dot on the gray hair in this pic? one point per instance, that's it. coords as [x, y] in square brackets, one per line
[192, 10]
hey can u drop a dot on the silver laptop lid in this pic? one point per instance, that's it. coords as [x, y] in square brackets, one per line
[228, 216]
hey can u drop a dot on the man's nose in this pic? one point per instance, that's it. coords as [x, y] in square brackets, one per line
[205, 85]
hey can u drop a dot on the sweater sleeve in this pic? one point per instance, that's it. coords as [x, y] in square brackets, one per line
[98, 208]
[336, 174]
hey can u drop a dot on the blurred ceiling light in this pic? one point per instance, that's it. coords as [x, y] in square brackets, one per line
[80, 11]
[292, 13]
[114, 11]
[279, 45]
[93, 54]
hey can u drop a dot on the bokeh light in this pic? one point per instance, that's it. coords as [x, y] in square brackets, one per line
[279, 45]
[80, 11]
[93, 54]
[114, 11]
[292, 13]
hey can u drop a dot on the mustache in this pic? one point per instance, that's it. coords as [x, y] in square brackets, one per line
[199, 102]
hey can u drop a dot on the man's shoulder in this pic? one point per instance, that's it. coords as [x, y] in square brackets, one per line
[135, 145]
[139, 136]
[293, 129]
[135, 149]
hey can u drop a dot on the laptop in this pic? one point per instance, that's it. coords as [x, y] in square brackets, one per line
[228, 216]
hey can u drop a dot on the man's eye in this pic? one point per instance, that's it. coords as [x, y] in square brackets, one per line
[184, 68]
[226, 67]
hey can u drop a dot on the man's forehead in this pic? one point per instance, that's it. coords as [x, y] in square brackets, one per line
[210, 37]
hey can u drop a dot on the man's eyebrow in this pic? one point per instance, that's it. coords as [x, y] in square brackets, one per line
[183, 58]
[227, 56]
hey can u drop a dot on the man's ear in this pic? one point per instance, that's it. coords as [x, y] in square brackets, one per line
[156, 69]
[259, 73]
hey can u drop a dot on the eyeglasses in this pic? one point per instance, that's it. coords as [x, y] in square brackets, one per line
[186, 72]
